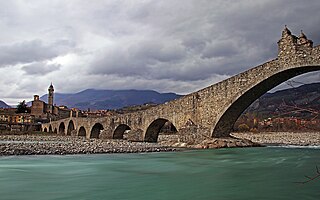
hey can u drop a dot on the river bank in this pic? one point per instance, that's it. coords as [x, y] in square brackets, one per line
[60, 145]
[44, 144]
[282, 138]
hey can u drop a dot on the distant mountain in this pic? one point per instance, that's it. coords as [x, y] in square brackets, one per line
[110, 99]
[289, 102]
[4, 105]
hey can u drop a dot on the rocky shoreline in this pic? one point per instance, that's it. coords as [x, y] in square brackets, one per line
[44, 144]
[282, 138]
[215, 143]
[60, 145]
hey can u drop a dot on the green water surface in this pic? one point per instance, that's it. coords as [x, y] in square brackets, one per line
[245, 173]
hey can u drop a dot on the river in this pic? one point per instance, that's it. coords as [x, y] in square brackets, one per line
[243, 173]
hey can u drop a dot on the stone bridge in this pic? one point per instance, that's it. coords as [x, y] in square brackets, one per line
[210, 112]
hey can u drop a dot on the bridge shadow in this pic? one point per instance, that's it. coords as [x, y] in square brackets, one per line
[82, 132]
[120, 131]
[96, 130]
[71, 127]
[62, 128]
[157, 126]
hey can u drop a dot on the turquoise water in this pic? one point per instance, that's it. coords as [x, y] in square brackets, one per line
[250, 173]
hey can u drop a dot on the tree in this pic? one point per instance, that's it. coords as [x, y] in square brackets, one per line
[22, 107]
[311, 178]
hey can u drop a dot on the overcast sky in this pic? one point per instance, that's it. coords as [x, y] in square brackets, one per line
[164, 45]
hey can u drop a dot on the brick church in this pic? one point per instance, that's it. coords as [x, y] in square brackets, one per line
[42, 110]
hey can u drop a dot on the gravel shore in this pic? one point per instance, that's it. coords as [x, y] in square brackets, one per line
[60, 145]
[285, 138]
[41, 145]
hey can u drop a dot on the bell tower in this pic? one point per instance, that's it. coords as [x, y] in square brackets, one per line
[50, 99]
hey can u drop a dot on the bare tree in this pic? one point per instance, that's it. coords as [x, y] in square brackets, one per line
[312, 178]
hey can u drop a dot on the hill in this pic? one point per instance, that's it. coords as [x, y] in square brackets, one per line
[110, 99]
[4, 105]
[300, 102]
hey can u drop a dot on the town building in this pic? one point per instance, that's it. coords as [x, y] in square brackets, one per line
[38, 113]
[42, 110]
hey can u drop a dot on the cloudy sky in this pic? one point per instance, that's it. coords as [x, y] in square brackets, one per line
[164, 45]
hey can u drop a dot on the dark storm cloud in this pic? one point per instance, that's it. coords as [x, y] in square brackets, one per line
[138, 59]
[31, 51]
[209, 37]
[177, 46]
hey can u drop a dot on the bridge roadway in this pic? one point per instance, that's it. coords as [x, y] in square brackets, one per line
[209, 112]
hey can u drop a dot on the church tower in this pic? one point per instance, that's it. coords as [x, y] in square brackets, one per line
[50, 99]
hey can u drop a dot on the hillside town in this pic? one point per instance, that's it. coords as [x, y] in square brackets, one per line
[25, 118]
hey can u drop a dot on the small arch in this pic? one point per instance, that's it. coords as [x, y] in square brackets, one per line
[82, 131]
[70, 127]
[155, 128]
[168, 128]
[120, 130]
[62, 128]
[50, 129]
[95, 131]
[55, 130]
[45, 129]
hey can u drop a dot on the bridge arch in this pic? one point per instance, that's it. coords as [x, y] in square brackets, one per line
[95, 131]
[55, 130]
[82, 131]
[45, 130]
[50, 129]
[229, 116]
[62, 128]
[71, 127]
[120, 130]
[154, 129]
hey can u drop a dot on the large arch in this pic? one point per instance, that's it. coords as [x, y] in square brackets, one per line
[225, 122]
[154, 129]
[62, 128]
[50, 129]
[71, 127]
[120, 130]
[95, 131]
[82, 131]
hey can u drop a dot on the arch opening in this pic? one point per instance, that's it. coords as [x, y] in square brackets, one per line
[226, 121]
[158, 126]
[96, 130]
[50, 129]
[45, 130]
[55, 130]
[82, 131]
[120, 131]
[62, 128]
[70, 127]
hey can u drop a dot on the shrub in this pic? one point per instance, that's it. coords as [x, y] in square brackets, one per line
[243, 128]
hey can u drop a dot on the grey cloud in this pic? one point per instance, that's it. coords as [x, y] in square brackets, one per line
[163, 45]
[221, 49]
[31, 51]
[220, 37]
[41, 68]
[138, 59]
